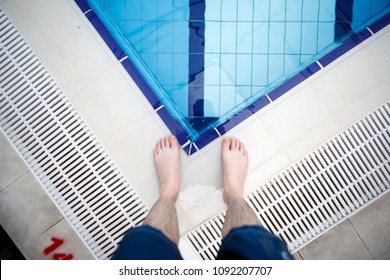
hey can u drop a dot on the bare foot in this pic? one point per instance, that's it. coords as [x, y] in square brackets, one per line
[166, 161]
[234, 169]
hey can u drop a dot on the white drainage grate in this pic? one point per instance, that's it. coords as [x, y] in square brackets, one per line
[319, 191]
[60, 149]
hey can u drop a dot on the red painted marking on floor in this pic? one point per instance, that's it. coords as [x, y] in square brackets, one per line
[62, 256]
[56, 244]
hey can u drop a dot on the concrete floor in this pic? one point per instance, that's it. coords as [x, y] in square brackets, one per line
[364, 236]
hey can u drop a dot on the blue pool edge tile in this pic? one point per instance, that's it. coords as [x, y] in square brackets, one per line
[214, 133]
[83, 5]
[173, 125]
[294, 81]
[141, 83]
[380, 24]
[355, 40]
[344, 47]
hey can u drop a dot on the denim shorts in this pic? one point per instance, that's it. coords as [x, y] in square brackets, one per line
[242, 243]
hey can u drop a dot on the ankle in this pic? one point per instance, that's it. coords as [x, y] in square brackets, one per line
[233, 197]
[168, 196]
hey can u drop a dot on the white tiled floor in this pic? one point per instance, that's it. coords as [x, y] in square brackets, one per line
[133, 150]
[326, 104]
[124, 122]
[367, 73]
[108, 106]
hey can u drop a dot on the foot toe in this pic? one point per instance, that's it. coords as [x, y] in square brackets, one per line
[236, 144]
[157, 148]
[226, 143]
[173, 142]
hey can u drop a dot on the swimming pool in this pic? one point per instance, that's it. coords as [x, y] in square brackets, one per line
[206, 65]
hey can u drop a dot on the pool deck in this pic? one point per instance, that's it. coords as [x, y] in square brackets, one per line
[127, 127]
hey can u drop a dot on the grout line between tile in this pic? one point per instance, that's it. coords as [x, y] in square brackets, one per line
[289, 129]
[319, 64]
[361, 239]
[345, 103]
[186, 144]
[52, 226]
[16, 179]
[123, 59]
[196, 147]
[190, 149]
[71, 96]
[372, 33]
[140, 177]
[299, 253]
[383, 51]
[159, 108]
[216, 130]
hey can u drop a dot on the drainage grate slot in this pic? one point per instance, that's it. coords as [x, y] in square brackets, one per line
[319, 191]
[59, 148]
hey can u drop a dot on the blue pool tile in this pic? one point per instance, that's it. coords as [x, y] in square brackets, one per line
[259, 104]
[141, 83]
[192, 150]
[83, 5]
[187, 149]
[338, 51]
[362, 36]
[352, 42]
[197, 9]
[310, 70]
[235, 120]
[173, 125]
[286, 86]
[294, 81]
[196, 23]
[383, 22]
[206, 139]
[347, 45]
[105, 34]
[197, 28]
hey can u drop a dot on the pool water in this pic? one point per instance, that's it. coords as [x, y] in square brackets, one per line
[206, 60]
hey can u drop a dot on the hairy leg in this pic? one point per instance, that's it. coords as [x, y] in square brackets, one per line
[234, 172]
[163, 214]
